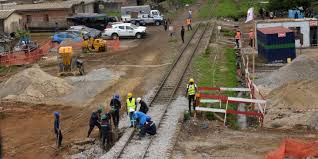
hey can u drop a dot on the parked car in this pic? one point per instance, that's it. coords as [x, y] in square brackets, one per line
[138, 22]
[125, 30]
[61, 36]
[91, 32]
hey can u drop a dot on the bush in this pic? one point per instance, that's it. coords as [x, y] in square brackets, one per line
[186, 115]
[209, 115]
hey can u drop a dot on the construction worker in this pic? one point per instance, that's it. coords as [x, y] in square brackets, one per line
[95, 120]
[106, 129]
[144, 124]
[165, 24]
[143, 106]
[237, 38]
[251, 37]
[131, 106]
[191, 91]
[190, 14]
[115, 105]
[182, 34]
[188, 22]
[57, 129]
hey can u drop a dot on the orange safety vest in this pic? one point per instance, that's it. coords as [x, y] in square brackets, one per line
[188, 21]
[238, 35]
[251, 35]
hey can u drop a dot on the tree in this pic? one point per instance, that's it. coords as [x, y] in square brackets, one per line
[284, 5]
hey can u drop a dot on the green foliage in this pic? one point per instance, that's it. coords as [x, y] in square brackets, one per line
[113, 13]
[228, 32]
[187, 1]
[284, 5]
[22, 33]
[209, 115]
[186, 115]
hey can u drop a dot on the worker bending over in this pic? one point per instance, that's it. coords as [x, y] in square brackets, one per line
[106, 129]
[144, 124]
[143, 106]
[191, 91]
[131, 106]
[115, 105]
[57, 129]
[95, 121]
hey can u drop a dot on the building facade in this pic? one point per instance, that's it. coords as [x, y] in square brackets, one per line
[305, 30]
[10, 21]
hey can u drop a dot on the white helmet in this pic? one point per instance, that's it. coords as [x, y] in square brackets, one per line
[138, 99]
[131, 110]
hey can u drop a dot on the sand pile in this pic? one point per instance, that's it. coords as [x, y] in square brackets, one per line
[33, 85]
[303, 67]
[286, 101]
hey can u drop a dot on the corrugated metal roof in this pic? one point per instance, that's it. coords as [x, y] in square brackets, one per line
[274, 30]
[4, 14]
[49, 5]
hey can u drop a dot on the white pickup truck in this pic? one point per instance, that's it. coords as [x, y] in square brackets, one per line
[125, 30]
[144, 14]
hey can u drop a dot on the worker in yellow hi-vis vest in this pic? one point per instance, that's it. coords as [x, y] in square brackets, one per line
[191, 91]
[131, 106]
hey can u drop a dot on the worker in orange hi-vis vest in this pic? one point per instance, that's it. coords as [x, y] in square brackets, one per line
[188, 22]
[237, 38]
[251, 37]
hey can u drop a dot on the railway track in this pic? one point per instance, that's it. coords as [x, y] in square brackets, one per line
[135, 148]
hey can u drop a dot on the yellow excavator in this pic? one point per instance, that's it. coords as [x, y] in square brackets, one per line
[94, 45]
[69, 63]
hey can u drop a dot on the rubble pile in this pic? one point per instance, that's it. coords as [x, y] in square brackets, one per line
[32, 85]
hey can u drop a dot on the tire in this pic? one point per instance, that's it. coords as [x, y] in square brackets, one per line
[114, 36]
[138, 36]
[157, 23]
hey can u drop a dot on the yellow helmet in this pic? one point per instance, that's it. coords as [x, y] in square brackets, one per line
[191, 80]
[129, 95]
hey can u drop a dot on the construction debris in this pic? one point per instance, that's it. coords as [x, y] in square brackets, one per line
[32, 85]
[302, 68]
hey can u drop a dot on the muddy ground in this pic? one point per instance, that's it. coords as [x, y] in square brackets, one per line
[210, 139]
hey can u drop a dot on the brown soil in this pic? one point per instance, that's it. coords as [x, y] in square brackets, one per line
[218, 142]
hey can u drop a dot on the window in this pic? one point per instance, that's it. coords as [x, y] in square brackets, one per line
[29, 18]
[46, 18]
[121, 27]
[129, 28]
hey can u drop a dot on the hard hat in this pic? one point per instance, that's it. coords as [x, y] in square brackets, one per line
[129, 95]
[116, 96]
[100, 108]
[191, 80]
[56, 114]
[103, 117]
[138, 99]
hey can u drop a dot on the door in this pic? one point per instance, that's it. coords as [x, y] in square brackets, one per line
[130, 31]
[122, 31]
[313, 36]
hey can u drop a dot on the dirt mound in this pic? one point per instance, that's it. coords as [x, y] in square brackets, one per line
[33, 85]
[303, 67]
[286, 102]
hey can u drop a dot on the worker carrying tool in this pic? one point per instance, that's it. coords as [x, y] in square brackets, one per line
[191, 91]
[131, 106]
[115, 105]
[251, 37]
[57, 129]
[143, 106]
[95, 121]
[106, 129]
[189, 22]
[144, 124]
[237, 38]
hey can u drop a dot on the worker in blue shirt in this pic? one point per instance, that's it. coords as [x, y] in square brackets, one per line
[57, 129]
[144, 124]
